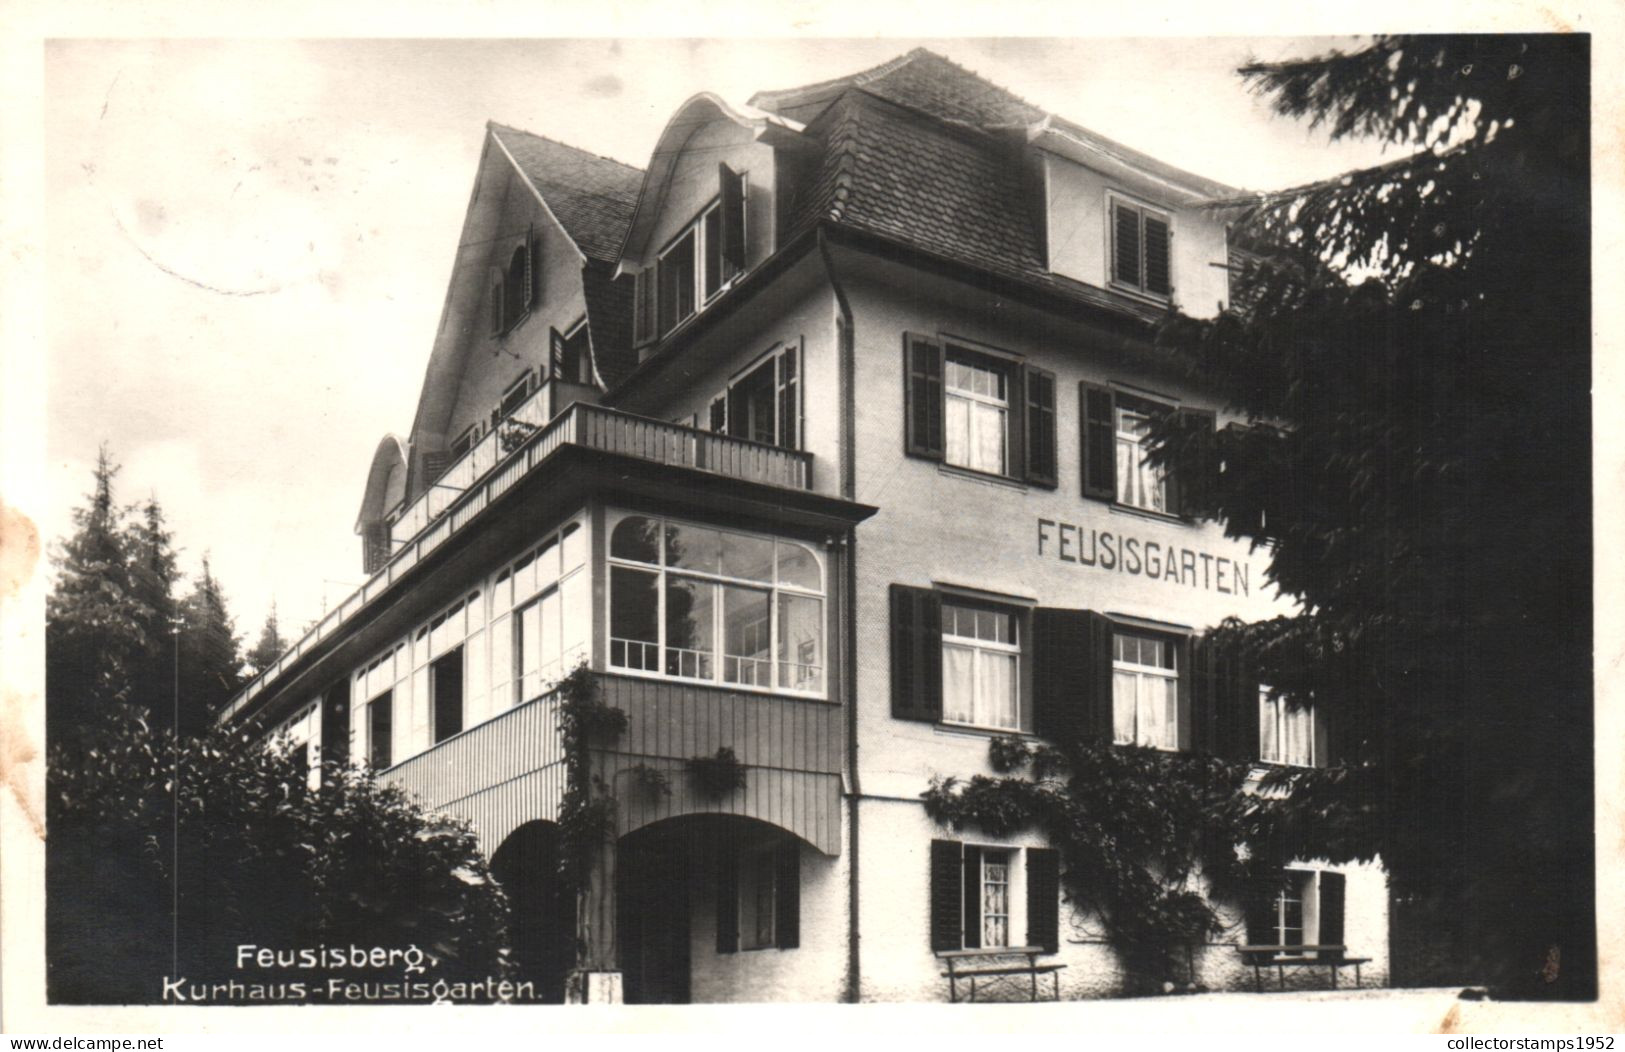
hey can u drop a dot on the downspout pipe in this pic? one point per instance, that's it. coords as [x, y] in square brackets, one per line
[846, 367]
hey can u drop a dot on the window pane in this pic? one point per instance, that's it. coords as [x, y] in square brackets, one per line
[633, 618]
[573, 548]
[1125, 688]
[530, 652]
[987, 438]
[575, 619]
[689, 627]
[958, 621]
[747, 557]
[958, 686]
[801, 643]
[524, 579]
[1299, 734]
[1269, 745]
[996, 899]
[996, 690]
[637, 538]
[549, 664]
[547, 566]
[693, 547]
[502, 664]
[958, 432]
[713, 250]
[747, 638]
[798, 566]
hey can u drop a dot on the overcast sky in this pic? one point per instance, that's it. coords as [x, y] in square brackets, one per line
[249, 242]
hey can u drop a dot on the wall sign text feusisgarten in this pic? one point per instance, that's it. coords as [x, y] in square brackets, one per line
[1105, 550]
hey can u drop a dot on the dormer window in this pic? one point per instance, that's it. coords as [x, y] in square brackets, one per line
[1141, 248]
[697, 264]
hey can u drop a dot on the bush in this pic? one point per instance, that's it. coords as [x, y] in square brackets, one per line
[165, 857]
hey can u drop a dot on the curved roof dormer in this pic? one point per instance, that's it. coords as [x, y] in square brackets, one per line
[386, 482]
[695, 115]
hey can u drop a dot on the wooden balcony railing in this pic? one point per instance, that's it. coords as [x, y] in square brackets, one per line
[486, 472]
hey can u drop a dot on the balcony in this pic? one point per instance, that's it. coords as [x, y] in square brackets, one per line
[489, 470]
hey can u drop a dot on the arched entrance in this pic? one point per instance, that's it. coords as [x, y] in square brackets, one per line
[542, 913]
[694, 891]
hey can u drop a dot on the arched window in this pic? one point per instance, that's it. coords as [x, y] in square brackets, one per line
[516, 290]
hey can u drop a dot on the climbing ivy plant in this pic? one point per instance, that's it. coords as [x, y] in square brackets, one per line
[587, 813]
[1150, 840]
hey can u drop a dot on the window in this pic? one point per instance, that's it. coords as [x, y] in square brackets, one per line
[958, 660]
[1145, 691]
[1139, 483]
[463, 442]
[515, 289]
[380, 730]
[446, 681]
[697, 265]
[978, 414]
[515, 395]
[981, 658]
[977, 899]
[719, 606]
[1116, 439]
[1140, 248]
[1298, 908]
[981, 412]
[548, 591]
[1285, 735]
[764, 404]
[759, 896]
[570, 356]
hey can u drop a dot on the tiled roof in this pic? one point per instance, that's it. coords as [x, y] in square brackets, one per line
[921, 80]
[592, 196]
[609, 319]
[950, 192]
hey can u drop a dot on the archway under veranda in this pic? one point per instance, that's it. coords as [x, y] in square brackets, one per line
[542, 924]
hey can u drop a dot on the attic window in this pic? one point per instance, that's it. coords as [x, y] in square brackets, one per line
[1141, 242]
[698, 264]
[517, 289]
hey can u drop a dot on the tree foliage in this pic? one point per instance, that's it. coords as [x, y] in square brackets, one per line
[165, 855]
[269, 646]
[1410, 348]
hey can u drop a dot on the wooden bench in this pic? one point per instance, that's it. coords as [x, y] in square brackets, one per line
[1332, 958]
[1002, 964]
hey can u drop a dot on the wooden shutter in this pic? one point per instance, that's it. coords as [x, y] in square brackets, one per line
[1332, 887]
[1126, 244]
[1060, 673]
[1204, 702]
[1044, 898]
[719, 414]
[1324, 754]
[643, 295]
[527, 292]
[923, 406]
[1097, 413]
[787, 896]
[728, 898]
[1097, 683]
[1040, 420]
[789, 410]
[733, 219]
[1258, 909]
[536, 271]
[434, 465]
[971, 918]
[555, 355]
[1196, 471]
[1157, 255]
[945, 895]
[916, 654]
[1227, 699]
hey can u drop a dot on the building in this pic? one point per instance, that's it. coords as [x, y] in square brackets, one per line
[821, 441]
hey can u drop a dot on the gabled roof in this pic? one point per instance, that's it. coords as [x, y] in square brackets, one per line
[920, 80]
[609, 319]
[592, 196]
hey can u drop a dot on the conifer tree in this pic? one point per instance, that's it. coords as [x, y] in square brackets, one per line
[210, 654]
[270, 645]
[153, 575]
[1411, 347]
[94, 616]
